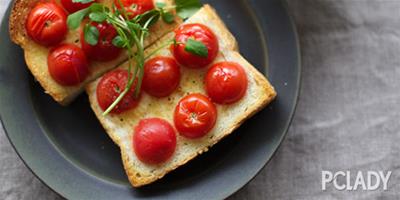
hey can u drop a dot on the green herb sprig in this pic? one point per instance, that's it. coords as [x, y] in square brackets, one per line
[132, 33]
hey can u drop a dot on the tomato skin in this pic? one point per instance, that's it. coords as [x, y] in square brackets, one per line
[47, 24]
[110, 87]
[194, 116]
[104, 50]
[226, 82]
[135, 7]
[68, 65]
[199, 33]
[161, 76]
[72, 7]
[154, 141]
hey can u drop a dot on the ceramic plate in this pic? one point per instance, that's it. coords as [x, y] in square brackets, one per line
[69, 151]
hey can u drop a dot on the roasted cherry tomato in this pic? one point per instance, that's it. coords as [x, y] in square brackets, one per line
[72, 7]
[111, 86]
[226, 82]
[199, 33]
[68, 65]
[154, 141]
[135, 7]
[195, 116]
[104, 50]
[161, 76]
[47, 24]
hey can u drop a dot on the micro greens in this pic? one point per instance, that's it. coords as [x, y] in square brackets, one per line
[168, 17]
[162, 46]
[160, 4]
[186, 8]
[196, 47]
[91, 34]
[132, 33]
[97, 17]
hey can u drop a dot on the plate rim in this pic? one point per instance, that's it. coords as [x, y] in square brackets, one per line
[296, 99]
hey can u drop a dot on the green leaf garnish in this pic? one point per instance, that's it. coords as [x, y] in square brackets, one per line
[168, 17]
[196, 48]
[74, 20]
[97, 17]
[187, 8]
[82, 1]
[160, 5]
[96, 7]
[91, 34]
[119, 42]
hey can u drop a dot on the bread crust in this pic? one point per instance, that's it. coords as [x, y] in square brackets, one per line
[265, 94]
[18, 16]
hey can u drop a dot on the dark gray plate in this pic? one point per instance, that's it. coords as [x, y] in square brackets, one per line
[69, 151]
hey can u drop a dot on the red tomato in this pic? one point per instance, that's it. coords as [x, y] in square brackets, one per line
[111, 86]
[199, 33]
[104, 50]
[135, 7]
[47, 24]
[226, 82]
[68, 65]
[72, 7]
[161, 76]
[154, 141]
[195, 115]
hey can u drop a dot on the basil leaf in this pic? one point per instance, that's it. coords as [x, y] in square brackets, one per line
[74, 20]
[196, 48]
[91, 35]
[187, 8]
[97, 16]
[82, 1]
[160, 5]
[119, 42]
[168, 17]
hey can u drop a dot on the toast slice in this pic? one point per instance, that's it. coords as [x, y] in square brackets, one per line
[230, 117]
[36, 55]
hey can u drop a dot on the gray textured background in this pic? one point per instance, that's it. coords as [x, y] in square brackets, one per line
[347, 117]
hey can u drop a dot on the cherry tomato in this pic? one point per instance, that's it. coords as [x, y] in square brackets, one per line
[135, 7]
[161, 76]
[104, 50]
[195, 115]
[111, 86]
[47, 24]
[154, 141]
[199, 33]
[68, 65]
[226, 82]
[72, 7]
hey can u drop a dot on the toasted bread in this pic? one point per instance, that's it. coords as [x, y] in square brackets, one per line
[230, 117]
[36, 55]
